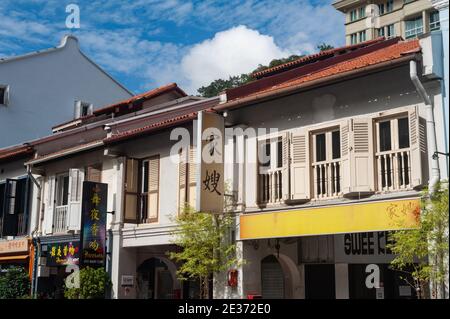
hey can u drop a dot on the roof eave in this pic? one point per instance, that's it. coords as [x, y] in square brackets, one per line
[257, 98]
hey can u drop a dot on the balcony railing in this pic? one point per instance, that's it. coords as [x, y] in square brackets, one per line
[414, 32]
[270, 187]
[394, 170]
[60, 219]
[435, 25]
[327, 179]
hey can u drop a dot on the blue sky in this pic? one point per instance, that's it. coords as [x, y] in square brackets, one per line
[147, 43]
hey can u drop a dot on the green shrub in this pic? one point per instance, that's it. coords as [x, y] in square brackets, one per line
[93, 284]
[15, 284]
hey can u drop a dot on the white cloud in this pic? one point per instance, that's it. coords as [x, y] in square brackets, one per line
[121, 36]
[231, 52]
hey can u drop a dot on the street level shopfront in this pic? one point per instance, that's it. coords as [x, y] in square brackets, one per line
[16, 253]
[326, 253]
[58, 257]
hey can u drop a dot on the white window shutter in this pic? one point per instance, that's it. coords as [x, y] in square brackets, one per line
[50, 205]
[418, 145]
[300, 166]
[345, 156]
[153, 189]
[192, 177]
[182, 172]
[285, 166]
[76, 178]
[361, 157]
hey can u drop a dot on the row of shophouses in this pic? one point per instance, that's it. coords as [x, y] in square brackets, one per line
[353, 140]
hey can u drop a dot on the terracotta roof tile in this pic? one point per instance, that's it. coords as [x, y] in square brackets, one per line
[313, 57]
[389, 53]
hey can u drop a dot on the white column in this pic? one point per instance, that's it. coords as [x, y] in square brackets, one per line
[341, 280]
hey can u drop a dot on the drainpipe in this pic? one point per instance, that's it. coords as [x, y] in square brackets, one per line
[431, 131]
[35, 240]
[431, 140]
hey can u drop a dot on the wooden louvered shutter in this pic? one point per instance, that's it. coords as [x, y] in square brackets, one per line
[94, 173]
[182, 187]
[361, 157]
[285, 158]
[192, 175]
[345, 156]
[418, 141]
[131, 191]
[50, 204]
[300, 166]
[153, 189]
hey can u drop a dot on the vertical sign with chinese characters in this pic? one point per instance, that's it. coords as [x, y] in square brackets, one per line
[93, 224]
[210, 186]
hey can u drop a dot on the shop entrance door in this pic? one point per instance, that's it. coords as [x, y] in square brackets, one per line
[272, 278]
[154, 280]
[320, 281]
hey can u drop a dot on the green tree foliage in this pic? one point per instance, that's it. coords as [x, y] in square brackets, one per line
[276, 62]
[423, 252]
[15, 284]
[219, 85]
[205, 246]
[323, 47]
[93, 284]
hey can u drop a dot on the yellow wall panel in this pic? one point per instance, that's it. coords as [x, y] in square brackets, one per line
[377, 216]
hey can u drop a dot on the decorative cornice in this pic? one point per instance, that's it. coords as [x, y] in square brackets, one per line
[439, 4]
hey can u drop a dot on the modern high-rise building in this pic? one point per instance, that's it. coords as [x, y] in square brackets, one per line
[369, 19]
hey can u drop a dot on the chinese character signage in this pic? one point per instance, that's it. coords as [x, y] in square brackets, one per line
[14, 246]
[210, 187]
[60, 254]
[93, 224]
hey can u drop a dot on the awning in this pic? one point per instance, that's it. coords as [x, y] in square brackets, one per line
[19, 257]
[339, 219]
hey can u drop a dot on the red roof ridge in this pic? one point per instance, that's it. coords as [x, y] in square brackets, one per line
[13, 151]
[147, 128]
[315, 56]
[148, 94]
[395, 52]
[413, 43]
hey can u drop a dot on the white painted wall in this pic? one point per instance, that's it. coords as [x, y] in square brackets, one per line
[370, 94]
[44, 87]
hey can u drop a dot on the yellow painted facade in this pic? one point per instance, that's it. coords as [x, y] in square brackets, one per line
[363, 217]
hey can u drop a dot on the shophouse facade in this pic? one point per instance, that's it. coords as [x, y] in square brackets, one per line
[351, 152]
[125, 145]
[354, 131]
